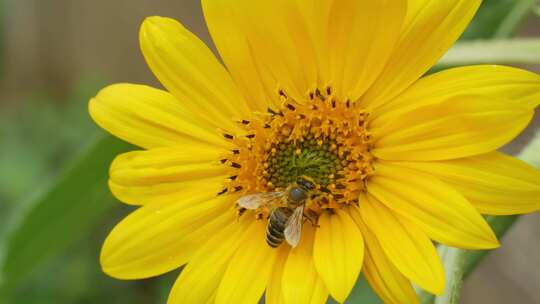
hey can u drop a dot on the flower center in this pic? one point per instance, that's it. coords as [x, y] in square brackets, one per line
[311, 157]
[322, 138]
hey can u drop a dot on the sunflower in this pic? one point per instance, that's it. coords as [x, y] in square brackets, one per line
[333, 91]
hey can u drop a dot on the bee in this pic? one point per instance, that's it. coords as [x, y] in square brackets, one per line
[286, 210]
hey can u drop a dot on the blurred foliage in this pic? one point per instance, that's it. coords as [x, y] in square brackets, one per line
[77, 200]
[361, 293]
[38, 137]
[499, 19]
[488, 18]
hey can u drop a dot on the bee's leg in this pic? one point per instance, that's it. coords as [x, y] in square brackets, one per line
[259, 215]
[240, 212]
[312, 217]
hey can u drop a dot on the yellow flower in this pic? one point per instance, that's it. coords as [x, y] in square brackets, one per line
[331, 91]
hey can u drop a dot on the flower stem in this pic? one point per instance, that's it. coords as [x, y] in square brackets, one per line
[505, 51]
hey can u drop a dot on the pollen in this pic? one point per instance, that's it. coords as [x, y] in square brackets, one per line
[320, 137]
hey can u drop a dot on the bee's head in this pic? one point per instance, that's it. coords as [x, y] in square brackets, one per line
[306, 183]
[297, 195]
[300, 192]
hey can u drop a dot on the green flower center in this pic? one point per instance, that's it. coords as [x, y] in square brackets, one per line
[311, 157]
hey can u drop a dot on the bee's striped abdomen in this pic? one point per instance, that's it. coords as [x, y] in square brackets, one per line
[276, 226]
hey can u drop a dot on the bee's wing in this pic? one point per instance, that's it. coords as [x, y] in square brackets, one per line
[256, 200]
[293, 229]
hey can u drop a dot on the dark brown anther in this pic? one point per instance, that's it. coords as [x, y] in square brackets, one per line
[320, 95]
[228, 136]
[290, 107]
[325, 190]
[222, 191]
[333, 103]
[328, 91]
[274, 112]
[223, 160]
[234, 177]
[311, 95]
[282, 93]
[236, 165]
[236, 151]
[250, 136]
[238, 188]
[245, 122]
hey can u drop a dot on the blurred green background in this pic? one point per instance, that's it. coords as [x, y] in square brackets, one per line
[55, 55]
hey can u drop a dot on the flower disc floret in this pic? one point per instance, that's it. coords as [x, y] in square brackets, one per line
[320, 137]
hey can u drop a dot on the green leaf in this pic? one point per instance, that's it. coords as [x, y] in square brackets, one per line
[362, 293]
[64, 214]
[488, 19]
[515, 18]
[514, 51]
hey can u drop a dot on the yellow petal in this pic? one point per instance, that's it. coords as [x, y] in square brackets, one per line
[456, 127]
[498, 82]
[316, 15]
[430, 28]
[212, 300]
[338, 253]
[191, 72]
[295, 44]
[358, 55]
[407, 246]
[157, 238]
[274, 291]
[250, 268]
[439, 210]
[149, 118]
[494, 183]
[300, 282]
[385, 279]
[233, 46]
[167, 174]
[277, 35]
[201, 277]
